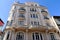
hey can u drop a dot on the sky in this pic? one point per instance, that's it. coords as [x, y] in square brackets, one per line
[53, 7]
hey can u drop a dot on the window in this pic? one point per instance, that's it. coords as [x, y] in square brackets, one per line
[34, 16]
[22, 9]
[52, 36]
[21, 22]
[45, 17]
[38, 23]
[31, 15]
[7, 23]
[33, 9]
[20, 36]
[21, 15]
[34, 23]
[11, 22]
[31, 22]
[37, 36]
[8, 35]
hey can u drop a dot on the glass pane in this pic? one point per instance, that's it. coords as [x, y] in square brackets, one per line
[37, 36]
[20, 36]
[52, 36]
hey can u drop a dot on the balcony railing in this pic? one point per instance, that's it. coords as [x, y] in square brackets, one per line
[22, 9]
[44, 11]
[21, 18]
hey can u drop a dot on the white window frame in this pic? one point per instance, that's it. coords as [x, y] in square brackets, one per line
[39, 35]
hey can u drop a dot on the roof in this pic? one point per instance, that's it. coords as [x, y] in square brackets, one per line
[1, 22]
[56, 16]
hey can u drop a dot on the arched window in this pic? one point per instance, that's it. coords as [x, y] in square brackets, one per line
[20, 36]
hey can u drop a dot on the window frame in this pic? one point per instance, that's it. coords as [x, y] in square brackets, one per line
[52, 34]
[20, 32]
[22, 23]
[38, 34]
[33, 9]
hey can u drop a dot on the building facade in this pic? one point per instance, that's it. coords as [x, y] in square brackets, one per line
[1, 26]
[30, 21]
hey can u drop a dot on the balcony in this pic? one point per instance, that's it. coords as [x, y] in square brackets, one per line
[22, 10]
[39, 27]
[21, 18]
[44, 11]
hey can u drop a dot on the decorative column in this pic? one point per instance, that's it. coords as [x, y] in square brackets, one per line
[26, 34]
[5, 36]
[13, 36]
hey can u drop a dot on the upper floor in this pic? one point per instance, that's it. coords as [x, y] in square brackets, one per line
[32, 15]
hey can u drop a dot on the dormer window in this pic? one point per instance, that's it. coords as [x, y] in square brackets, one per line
[45, 17]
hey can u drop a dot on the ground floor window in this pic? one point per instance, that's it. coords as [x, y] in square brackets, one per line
[20, 36]
[37, 36]
[52, 36]
[8, 34]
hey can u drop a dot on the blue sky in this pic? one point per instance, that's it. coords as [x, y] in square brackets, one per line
[52, 5]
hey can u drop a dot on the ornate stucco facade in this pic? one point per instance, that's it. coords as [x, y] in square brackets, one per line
[30, 21]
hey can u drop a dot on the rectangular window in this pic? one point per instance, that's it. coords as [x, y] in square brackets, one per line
[37, 36]
[21, 15]
[45, 17]
[35, 23]
[21, 22]
[33, 15]
[31, 22]
[33, 36]
[52, 36]
[38, 23]
[33, 9]
[11, 22]
[36, 16]
[7, 23]
[8, 35]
